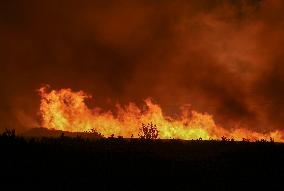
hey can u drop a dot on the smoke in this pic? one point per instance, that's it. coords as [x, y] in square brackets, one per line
[221, 57]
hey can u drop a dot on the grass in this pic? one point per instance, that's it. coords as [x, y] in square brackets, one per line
[219, 162]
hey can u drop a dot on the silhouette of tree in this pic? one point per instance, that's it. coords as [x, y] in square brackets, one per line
[149, 131]
[224, 138]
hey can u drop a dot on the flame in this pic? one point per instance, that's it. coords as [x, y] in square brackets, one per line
[66, 110]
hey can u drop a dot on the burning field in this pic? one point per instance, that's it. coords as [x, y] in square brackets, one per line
[66, 110]
[212, 68]
[123, 87]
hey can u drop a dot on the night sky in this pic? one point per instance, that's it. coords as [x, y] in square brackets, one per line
[222, 57]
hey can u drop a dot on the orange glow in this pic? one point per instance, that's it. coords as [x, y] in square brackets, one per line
[66, 110]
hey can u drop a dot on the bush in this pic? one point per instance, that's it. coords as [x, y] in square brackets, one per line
[149, 131]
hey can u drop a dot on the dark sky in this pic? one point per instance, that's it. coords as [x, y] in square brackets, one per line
[222, 57]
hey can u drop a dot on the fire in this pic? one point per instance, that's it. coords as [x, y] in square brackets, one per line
[66, 110]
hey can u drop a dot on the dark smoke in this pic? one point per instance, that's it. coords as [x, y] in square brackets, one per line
[222, 57]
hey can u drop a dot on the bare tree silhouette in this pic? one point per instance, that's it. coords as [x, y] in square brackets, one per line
[149, 131]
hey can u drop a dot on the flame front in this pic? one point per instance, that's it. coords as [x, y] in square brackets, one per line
[66, 110]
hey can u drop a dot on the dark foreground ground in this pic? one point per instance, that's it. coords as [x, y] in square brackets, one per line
[103, 164]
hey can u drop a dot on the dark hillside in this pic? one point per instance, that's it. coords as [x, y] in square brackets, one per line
[180, 164]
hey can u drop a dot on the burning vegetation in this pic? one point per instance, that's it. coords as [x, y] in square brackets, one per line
[66, 110]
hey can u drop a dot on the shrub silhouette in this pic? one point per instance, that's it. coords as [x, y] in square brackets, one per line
[111, 136]
[246, 140]
[149, 131]
[94, 131]
[120, 137]
[224, 138]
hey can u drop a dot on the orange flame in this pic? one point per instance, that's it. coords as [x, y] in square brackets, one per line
[66, 110]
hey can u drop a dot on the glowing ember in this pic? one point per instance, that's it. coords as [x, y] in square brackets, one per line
[66, 110]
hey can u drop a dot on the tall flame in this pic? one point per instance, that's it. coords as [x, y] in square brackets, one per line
[66, 110]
